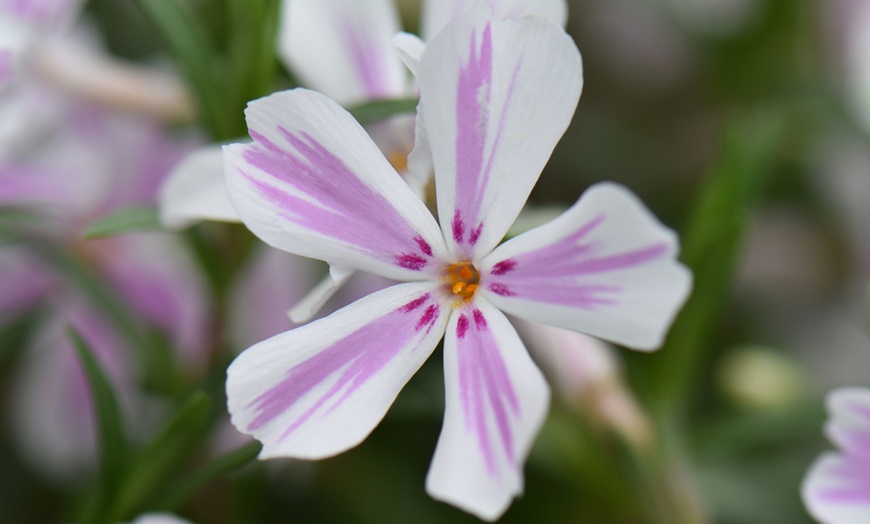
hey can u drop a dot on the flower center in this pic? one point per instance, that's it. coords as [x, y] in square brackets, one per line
[462, 279]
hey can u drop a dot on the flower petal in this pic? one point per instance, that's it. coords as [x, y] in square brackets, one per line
[837, 490]
[496, 402]
[311, 303]
[320, 389]
[314, 184]
[605, 267]
[438, 13]
[343, 48]
[196, 190]
[495, 98]
[849, 425]
[410, 48]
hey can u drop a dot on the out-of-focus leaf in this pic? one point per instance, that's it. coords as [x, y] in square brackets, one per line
[190, 45]
[711, 244]
[253, 30]
[153, 471]
[382, 109]
[114, 447]
[124, 221]
[221, 466]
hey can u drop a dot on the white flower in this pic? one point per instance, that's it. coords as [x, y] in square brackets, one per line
[495, 97]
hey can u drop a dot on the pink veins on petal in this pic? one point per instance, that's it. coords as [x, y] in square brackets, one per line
[338, 203]
[854, 475]
[367, 60]
[485, 387]
[355, 359]
[553, 274]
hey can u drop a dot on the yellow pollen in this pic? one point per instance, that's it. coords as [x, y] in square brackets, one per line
[399, 160]
[462, 279]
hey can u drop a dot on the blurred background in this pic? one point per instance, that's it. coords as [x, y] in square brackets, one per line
[742, 124]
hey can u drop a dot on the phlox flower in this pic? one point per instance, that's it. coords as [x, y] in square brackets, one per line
[350, 51]
[495, 96]
[836, 489]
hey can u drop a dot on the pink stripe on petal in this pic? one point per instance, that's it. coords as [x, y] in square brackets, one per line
[558, 273]
[496, 401]
[473, 127]
[336, 203]
[349, 363]
[368, 61]
[485, 387]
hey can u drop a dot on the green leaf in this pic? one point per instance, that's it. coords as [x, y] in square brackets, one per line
[114, 447]
[189, 43]
[382, 109]
[124, 221]
[158, 465]
[711, 244]
[221, 466]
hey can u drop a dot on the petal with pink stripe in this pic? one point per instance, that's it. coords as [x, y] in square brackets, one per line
[320, 389]
[495, 98]
[837, 487]
[343, 48]
[496, 402]
[314, 184]
[605, 267]
[438, 13]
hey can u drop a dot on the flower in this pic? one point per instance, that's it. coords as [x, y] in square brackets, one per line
[836, 489]
[495, 96]
[347, 51]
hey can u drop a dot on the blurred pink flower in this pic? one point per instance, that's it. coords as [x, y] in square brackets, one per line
[836, 489]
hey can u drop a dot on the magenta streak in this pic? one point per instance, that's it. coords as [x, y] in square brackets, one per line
[357, 357]
[428, 318]
[503, 267]
[484, 380]
[472, 120]
[552, 274]
[347, 209]
[367, 59]
[423, 245]
[854, 480]
[457, 226]
[473, 117]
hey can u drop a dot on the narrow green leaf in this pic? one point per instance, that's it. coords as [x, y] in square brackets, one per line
[189, 43]
[159, 464]
[711, 245]
[114, 449]
[124, 221]
[221, 466]
[381, 109]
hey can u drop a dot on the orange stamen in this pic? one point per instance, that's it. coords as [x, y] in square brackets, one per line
[462, 279]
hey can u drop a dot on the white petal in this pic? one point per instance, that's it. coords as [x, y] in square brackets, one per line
[495, 98]
[314, 184]
[836, 490]
[438, 13]
[320, 389]
[496, 402]
[322, 292]
[410, 49]
[849, 424]
[343, 48]
[196, 190]
[606, 267]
